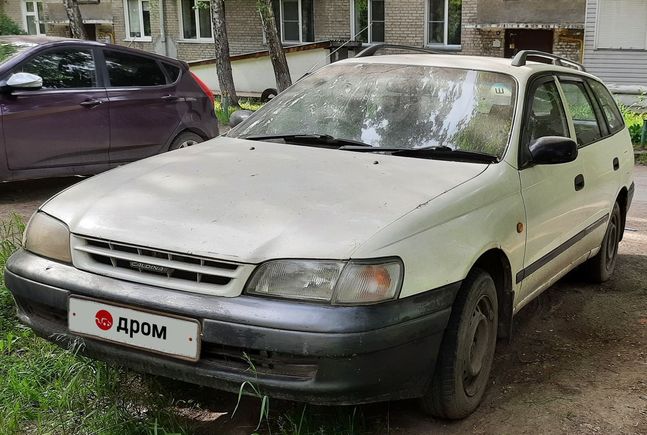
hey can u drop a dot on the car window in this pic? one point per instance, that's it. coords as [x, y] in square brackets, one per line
[586, 125]
[63, 69]
[609, 106]
[125, 69]
[172, 71]
[546, 116]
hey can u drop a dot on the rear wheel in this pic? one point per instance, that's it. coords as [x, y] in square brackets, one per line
[600, 268]
[184, 140]
[467, 351]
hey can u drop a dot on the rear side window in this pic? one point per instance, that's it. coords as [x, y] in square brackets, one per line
[63, 69]
[172, 71]
[609, 106]
[126, 69]
[586, 124]
[546, 117]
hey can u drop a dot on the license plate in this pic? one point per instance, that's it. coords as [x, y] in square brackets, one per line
[163, 334]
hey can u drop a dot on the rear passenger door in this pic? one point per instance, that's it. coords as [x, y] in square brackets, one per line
[144, 108]
[600, 158]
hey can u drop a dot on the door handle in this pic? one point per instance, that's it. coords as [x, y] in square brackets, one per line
[90, 103]
[579, 182]
[169, 98]
[616, 164]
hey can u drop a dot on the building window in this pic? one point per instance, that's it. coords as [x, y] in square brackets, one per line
[368, 20]
[138, 19]
[295, 20]
[34, 23]
[444, 22]
[628, 15]
[195, 19]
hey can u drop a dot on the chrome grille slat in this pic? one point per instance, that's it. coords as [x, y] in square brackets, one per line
[177, 265]
[158, 267]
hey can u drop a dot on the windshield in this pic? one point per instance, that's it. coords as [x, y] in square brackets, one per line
[9, 50]
[394, 106]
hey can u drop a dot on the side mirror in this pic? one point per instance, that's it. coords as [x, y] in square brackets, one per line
[552, 150]
[239, 116]
[23, 80]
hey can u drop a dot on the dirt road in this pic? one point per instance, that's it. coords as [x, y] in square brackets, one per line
[577, 362]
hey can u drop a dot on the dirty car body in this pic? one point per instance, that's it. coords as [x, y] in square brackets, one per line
[365, 236]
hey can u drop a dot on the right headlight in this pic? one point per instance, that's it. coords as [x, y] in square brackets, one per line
[48, 237]
[337, 282]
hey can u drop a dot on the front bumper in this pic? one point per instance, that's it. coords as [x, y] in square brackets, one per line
[301, 351]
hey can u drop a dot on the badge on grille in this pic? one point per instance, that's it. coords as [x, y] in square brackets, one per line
[143, 267]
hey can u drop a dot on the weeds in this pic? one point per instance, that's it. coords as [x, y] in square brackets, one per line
[224, 115]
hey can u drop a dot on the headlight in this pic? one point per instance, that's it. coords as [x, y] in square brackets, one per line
[48, 237]
[338, 282]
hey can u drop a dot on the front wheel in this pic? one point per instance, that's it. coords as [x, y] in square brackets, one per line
[467, 351]
[600, 268]
[184, 140]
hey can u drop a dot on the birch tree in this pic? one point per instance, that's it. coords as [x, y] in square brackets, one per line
[76, 20]
[277, 54]
[223, 63]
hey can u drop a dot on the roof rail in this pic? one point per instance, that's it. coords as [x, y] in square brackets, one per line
[371, 50]
[521, 57]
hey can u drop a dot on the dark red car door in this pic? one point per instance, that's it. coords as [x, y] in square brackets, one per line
[66, 122]
[144, 108]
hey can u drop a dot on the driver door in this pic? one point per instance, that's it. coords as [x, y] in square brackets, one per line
[66, 122]
[552, 194]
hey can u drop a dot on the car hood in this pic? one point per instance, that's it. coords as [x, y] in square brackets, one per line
[247, 201]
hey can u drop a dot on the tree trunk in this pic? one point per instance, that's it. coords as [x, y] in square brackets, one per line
[76, 21]
[277, 54]
[223, 63]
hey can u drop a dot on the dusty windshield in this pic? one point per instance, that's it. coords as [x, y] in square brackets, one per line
[395, 106]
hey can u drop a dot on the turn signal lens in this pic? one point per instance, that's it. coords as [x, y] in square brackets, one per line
[362, 283]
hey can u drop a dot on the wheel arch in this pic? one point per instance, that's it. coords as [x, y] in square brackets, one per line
[496, 263]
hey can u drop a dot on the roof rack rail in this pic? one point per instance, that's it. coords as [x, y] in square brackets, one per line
[521, 57]
[371, 50]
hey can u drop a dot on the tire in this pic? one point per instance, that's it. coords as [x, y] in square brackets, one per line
[184, 140]
[465, 358]
[600, 268]
[268, 94]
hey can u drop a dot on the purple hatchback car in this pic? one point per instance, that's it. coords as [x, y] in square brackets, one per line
[73, 107]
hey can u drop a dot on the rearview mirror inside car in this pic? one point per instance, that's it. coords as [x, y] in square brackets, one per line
[23, 80]
[552, 150]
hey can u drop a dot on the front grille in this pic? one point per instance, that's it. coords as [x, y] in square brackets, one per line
[156, 267]
[260, 362]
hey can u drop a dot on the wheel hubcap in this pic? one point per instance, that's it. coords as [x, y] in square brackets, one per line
[481, 332]
[612, 241]
[187, 143]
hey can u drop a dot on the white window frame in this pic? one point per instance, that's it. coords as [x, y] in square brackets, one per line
[446, 20]
[25, 14]
[354, 30]
[596, 41]
[283, 40]
[148, 38]
[197, 22]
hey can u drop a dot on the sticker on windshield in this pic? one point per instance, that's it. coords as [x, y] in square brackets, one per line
[500, 94]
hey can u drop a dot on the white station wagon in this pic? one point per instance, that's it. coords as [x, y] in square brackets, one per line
[365, 236]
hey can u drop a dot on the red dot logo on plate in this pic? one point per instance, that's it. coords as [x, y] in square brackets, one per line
[103, 319]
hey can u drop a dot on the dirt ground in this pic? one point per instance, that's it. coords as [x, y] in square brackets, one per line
[577, 362]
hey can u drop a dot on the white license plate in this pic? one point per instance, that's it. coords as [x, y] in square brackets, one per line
[157, 333]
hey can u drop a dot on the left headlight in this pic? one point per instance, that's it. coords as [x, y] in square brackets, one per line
[48, 237]
[337, 282]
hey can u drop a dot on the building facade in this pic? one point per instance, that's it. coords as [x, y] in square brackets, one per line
[182, 28]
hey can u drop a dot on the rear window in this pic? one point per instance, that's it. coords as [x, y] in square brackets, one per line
[609, 106]
[172, 70]
[126, 69]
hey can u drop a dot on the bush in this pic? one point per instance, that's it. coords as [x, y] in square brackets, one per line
[223, 116]
[9, 26]
[634, 122]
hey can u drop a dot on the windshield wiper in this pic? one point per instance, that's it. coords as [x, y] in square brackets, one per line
[438, 152]
[311, 139]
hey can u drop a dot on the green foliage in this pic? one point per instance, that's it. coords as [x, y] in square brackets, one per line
[9, 26]
[634, 121]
